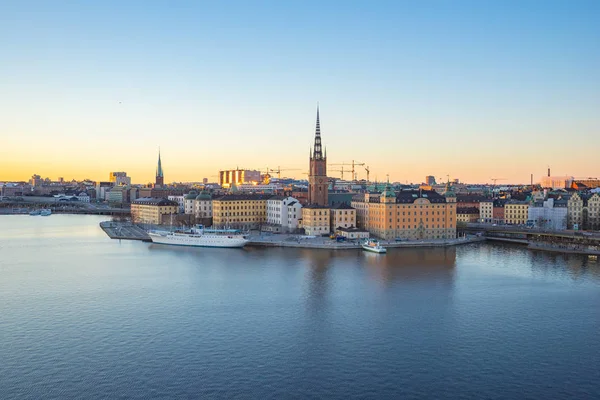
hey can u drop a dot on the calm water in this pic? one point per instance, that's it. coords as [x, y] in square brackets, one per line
[82, 316]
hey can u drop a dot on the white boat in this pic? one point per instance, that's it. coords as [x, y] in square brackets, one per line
[35, 212]
[45, 212]
[200, 237]
[373, 246]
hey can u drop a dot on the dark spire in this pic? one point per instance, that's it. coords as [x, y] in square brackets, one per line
[159, 171]
[317, 153]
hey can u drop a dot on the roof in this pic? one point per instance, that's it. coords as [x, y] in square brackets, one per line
[153, 201]
[352, 229]
[204, 195]
[342, 206]
[409, 196]
[316, 206]
[467, 210]
[238, 197]
[461, 198]
[277, 197]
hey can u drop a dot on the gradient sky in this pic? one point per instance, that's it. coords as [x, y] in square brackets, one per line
[470, 89]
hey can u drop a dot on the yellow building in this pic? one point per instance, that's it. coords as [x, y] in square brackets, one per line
[149, 210]
[316, 220]
[465, 215]
[342, 216]
[516, 212]
[412, 215]
[240, 211]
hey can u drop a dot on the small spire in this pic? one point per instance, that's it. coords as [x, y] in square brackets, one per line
[317, 153]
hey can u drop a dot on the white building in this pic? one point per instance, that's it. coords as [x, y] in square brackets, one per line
[270, 188]
[83, 197]
[548, 214]
[180, 202]
[284, 212]
[203, 205]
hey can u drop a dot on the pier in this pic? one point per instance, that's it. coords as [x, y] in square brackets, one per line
[124, 230]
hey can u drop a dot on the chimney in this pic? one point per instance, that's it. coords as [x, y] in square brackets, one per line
[531, 180]
[548, 171]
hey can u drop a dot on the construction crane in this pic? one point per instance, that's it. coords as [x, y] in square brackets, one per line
[279, 169]
[340, 170]
[367, 169]
[497, 179]
[354, 164]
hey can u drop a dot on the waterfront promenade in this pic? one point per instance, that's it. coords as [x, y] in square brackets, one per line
[129, 231]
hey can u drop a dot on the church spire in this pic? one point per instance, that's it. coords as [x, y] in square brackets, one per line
[317, 152]
[159, 171]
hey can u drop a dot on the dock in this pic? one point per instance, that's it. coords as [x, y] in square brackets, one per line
[124, 230]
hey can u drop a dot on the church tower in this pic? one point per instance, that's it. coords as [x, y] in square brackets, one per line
[159, 173]
[317, 177]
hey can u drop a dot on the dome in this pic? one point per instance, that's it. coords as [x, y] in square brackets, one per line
[191, 195]
[204, 195]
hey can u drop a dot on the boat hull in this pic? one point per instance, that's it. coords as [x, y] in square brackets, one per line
[380, 250]
[201, 241]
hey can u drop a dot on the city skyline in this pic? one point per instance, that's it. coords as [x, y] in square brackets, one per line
[466, 90]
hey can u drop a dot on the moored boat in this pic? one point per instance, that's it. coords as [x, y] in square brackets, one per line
[35, 212]
[374, 246]
[200, 237]
[45, 212]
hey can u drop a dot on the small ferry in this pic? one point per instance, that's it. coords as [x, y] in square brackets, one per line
[200, 236]
[35, 212]
[374, 246]
[45, 212]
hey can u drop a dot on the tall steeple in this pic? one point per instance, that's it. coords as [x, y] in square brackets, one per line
[159, 171]
[317, 152]
[160, 177]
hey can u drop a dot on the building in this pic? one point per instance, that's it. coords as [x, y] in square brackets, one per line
[203, 205]
[180, 200]
[583, 211]
[189, 201]
[36, 180]
[548, 214]
[469, 200]
[101, 189]
[318, 185]
[342, 216]
[352, 233]
[119, 179]
[486, 211]
[149, 210]
[465, 215]
[160, 177]
[118, 195]
[411, 214]
[238, 177]
[283, 213]
[516, 212]
[556, 182]
[315, 219]
[430, 180]
[498, 211]
[240, 211]
[585, 184]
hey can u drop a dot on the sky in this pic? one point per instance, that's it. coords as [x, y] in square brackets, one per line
[472, 90]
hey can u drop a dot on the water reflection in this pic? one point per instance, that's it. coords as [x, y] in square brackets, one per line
[575, 266]
[431, 264]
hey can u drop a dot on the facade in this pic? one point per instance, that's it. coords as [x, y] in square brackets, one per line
[470, 200]
[465, 215]
[411, 214]
[238, 177]
[352, 233]
[583, 211]
[180, 200]
[284, 212]
[102, 188]
[342, 216]
[498, 212]
[240, 211]
[315, 219]
[430, 180]
[188, 202]
[151, 211]
[486, 211]
[318, 185]
[118, 195]
[119, 179]
[548, 214]
[516, 212]
[556, 182]
[160, 177]
[203, 205]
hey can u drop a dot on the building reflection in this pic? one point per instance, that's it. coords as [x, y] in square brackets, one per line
[431, 264]
[576, 266]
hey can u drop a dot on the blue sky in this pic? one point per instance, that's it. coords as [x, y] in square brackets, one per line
[471, 89]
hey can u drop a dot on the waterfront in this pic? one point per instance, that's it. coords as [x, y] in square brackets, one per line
[82, 315]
